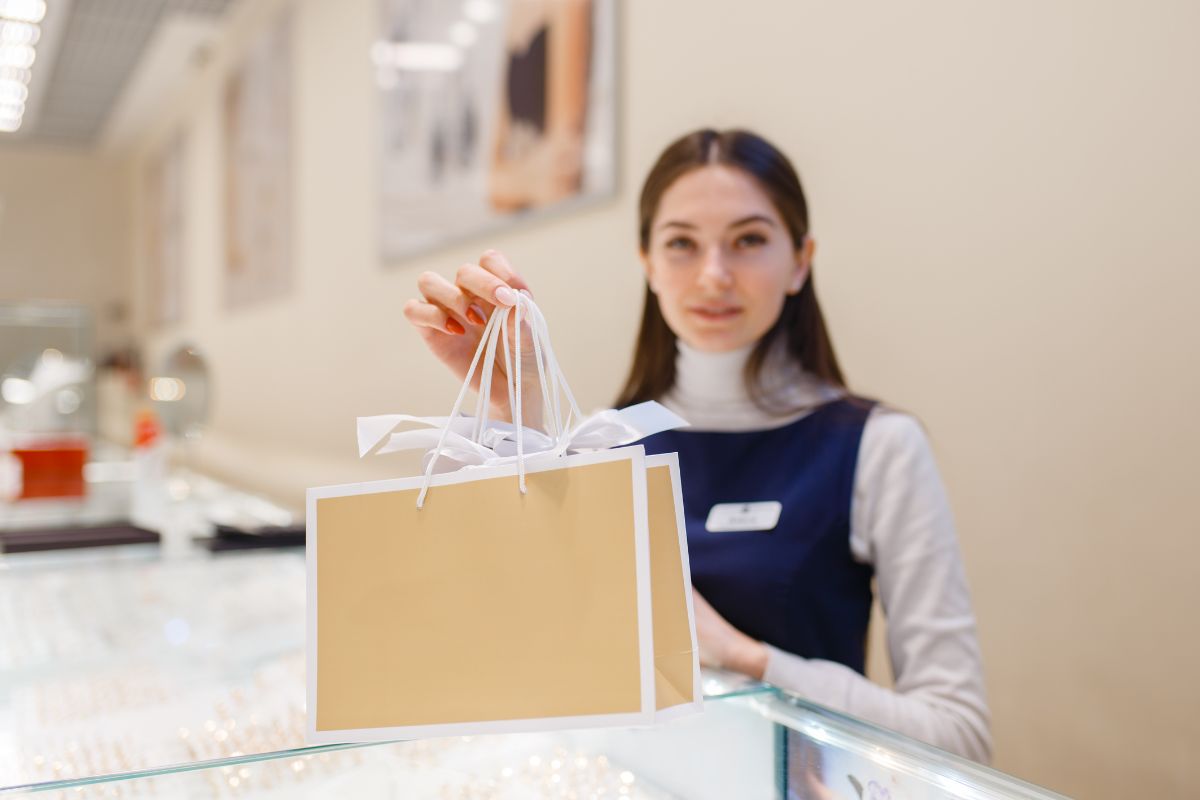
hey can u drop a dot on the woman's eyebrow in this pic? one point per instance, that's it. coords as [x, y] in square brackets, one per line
[743, 221]
[752, 218]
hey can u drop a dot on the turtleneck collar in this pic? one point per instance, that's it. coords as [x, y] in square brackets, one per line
[710, 390]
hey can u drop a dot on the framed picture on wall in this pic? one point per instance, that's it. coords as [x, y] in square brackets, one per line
[164, 192]
[491, 111]
[257, 123]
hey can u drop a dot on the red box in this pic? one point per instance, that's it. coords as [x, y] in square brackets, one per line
[52, 467]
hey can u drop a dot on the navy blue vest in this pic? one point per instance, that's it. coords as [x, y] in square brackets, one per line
[796, 587]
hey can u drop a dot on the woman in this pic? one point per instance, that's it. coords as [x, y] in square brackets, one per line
[796, 492]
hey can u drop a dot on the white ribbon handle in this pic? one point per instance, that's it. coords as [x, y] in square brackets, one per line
[466, 442]
[495, 334]
[462, 393]
[602, 430]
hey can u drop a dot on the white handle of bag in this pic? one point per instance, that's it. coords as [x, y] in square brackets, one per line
[550, 378]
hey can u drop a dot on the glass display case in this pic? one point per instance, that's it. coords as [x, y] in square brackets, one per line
[47, 400]
[46, 363]
[123, 674]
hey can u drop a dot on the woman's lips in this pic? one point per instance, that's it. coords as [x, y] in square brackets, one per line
[715, 313]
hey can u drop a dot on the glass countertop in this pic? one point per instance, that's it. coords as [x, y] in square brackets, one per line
[116, 662]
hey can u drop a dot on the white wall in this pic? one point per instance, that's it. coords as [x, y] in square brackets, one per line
[65, 219]
[1004, 198]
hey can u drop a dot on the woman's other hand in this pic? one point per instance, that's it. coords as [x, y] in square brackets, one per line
[724, 646]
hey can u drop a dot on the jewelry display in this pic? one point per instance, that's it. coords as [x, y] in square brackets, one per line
[147, 665]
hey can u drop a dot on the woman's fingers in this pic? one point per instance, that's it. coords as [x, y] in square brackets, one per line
[495, 262]
[485, 285]
[468, 301]
[427, 315]
[440, 292]
[492, 280]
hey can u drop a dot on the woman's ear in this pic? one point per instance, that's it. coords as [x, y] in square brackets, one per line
[804, 257]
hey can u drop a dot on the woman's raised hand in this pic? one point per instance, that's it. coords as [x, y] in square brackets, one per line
[450, 318]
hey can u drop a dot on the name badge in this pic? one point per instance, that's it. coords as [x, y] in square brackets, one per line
[735, 517]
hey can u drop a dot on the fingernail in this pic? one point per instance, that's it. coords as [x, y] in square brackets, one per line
[475, 315]
[506, 296]
[455, 327]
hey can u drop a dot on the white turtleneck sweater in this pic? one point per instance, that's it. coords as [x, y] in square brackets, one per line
[900, 524]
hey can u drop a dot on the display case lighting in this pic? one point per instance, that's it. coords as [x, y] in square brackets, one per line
[167, 390]
[18, 391]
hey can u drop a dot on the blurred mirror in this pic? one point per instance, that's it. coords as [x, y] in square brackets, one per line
[180, 392]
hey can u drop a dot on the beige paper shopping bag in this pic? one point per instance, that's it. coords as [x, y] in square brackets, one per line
[487, 610]
[470, 602]
[676, 654]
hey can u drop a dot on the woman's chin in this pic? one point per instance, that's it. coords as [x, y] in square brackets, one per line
[717, 341]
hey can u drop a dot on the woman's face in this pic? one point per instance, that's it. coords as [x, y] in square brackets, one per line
[720, 259]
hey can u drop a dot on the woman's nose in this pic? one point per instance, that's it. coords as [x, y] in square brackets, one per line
[714, 271]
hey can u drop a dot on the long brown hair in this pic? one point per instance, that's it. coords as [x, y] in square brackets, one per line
[800, 322]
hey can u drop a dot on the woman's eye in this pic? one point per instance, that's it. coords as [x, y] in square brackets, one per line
[751, 240]
[680, 243]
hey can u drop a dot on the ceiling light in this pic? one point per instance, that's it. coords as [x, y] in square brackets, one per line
[15, 74]
[23, 10]
[19, 33]
[13, 92]
[16, 55]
